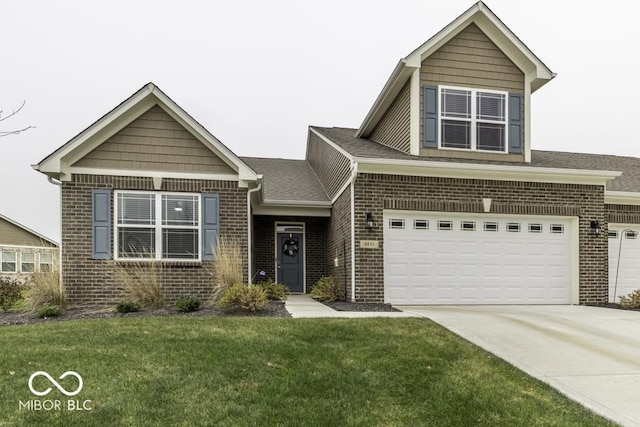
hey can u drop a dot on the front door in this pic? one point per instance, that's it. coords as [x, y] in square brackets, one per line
[290, 259]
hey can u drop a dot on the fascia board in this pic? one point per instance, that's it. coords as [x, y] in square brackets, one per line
[149, 174]
[621, 198]
[291, 211]
[298, 203]
[481, 171]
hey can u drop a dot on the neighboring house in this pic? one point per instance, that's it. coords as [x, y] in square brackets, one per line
[437, 198]
[23, 251]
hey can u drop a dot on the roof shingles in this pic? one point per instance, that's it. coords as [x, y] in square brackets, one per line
[629, 166]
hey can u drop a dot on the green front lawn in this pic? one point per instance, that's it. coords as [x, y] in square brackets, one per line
[270, 371]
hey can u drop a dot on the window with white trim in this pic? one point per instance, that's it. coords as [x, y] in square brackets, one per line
[473, 119]
[8, 262]
[46, 262]
[161, 226]
[27, 262]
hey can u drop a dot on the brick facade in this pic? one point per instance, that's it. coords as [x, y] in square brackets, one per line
[623, 214]
[314, 245]
[376, 192]
[339, 241]
[89, 281]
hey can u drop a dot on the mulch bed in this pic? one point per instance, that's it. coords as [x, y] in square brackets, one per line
[274, 309]
[359, 306]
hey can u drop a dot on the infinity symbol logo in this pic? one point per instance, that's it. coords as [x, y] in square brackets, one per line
[55, 383]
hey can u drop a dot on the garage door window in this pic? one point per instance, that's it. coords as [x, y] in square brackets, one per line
[468, 226]
[490, 226]
[513, 227]
[631, 235]
[613, 234]
[445, 225]
[420, 224]
[535, 228]
[397, 224]
[557, 228]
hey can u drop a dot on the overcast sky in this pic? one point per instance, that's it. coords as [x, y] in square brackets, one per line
[257, 73]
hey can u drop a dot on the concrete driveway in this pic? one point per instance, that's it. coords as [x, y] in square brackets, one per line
[590, 354]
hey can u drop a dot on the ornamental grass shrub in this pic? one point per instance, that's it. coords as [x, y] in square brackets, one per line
[43, 290]
[226, 268]
[241, 297]
[142, 280]
[327, 289]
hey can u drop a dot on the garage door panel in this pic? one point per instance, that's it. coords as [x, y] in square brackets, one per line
[627, 271]
[488, 265]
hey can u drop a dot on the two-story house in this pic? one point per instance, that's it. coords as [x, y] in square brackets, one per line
[437, 198]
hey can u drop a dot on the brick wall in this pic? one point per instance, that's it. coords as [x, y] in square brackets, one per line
[89, 281]
[315, 245]
[339, 241]
[376, 192]
[623, 214]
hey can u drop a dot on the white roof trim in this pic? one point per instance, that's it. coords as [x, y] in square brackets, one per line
[485, 171]
[57, 164]
[40, 236]
[154, 174]
[621, 198]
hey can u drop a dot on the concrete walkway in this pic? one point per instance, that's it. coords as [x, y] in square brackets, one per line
[590, 354]
[304, 306]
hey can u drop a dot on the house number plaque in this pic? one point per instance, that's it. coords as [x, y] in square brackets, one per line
[369, 244]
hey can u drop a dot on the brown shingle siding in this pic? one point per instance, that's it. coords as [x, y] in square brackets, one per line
[331, 166]
[394, 128]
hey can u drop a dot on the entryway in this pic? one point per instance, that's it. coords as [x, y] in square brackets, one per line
[290, 256]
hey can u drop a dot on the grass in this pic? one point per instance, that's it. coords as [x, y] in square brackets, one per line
[272, 371]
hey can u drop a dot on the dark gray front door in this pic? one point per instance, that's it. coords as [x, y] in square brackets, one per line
[290, 261]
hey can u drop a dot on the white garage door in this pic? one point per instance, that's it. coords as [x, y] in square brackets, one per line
[623, 239]
[481, 259]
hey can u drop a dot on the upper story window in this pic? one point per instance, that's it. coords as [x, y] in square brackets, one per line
[467, 119]
[157, 226]
[473, 119]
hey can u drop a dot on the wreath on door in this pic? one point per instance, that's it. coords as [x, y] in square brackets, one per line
[290, 247]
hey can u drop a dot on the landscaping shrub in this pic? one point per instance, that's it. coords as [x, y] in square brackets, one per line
[10, 292]
[275, 291]
[241, 297]
[44, 290]
[49, 311]
[142, 281]
[226, 267]
[188, 303]
[327, 289]
[631, 300]
[127, 307]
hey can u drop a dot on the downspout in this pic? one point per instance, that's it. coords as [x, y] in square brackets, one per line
[354, 173]
[59, 184]
[249, 221]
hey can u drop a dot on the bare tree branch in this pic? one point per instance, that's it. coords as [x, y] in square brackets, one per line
[16, 131]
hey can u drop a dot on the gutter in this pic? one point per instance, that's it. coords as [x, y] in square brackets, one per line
[249, 229]
[354, 173]
[59, 184]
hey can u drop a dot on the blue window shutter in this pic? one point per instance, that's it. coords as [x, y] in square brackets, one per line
[210, 225]
[430, 96]
[515, 123]
[101, 224]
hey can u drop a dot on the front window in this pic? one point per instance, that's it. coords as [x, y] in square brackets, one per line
[473, 119]
[157, 226]
[46, 262]
[8, 262]
[27, 262]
